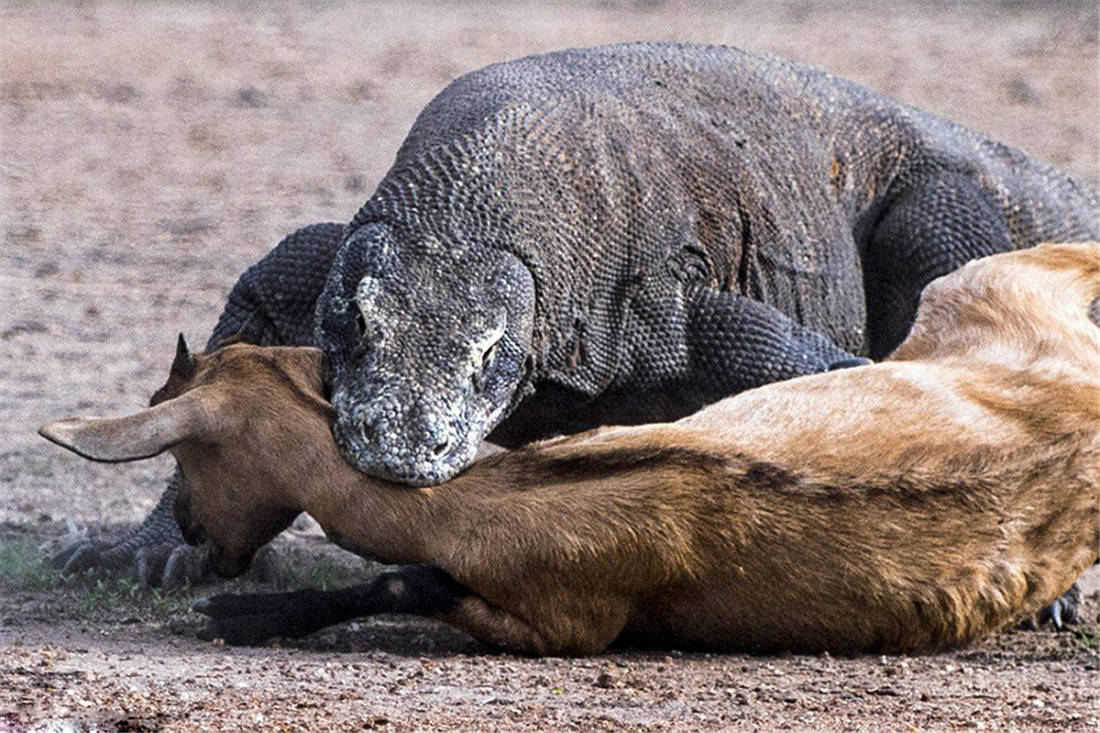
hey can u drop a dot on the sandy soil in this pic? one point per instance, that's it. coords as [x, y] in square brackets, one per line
[149, 152]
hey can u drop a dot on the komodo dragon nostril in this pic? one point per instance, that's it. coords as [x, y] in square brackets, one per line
[441, 447]
[369, 432]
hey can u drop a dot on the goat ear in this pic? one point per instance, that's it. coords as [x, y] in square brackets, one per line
[183, 366]
[141, 435]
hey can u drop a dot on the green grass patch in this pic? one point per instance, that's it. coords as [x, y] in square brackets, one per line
[24, 566]
[1087, 637]
[111, 594]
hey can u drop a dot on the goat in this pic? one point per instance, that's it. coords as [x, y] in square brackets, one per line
[907, 506]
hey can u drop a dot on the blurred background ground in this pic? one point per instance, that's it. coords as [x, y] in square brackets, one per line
[150, 151]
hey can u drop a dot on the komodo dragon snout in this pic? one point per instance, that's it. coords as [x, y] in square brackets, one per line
[427, 350]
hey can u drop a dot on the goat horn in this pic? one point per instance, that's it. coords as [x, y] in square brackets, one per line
[183, 366]
[141, 435]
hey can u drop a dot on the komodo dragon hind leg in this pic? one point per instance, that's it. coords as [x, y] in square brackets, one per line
[939, 221]
[271, 304]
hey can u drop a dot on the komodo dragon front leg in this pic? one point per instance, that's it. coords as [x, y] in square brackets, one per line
[686, 347]
[682, 347]
[735, 343]
[271, 304]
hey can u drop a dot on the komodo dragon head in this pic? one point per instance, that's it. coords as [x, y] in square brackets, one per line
[428, 349]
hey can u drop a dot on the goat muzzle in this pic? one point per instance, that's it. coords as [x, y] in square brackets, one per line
[192, 531]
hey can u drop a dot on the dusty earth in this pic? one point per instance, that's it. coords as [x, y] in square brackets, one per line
[149, 152]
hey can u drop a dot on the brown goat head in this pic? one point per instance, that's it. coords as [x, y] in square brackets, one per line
[194, 418]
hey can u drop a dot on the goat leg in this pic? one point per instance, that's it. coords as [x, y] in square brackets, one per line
[252, 618]
[421, 590]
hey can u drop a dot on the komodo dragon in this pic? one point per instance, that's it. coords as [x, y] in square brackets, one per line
[623, 234]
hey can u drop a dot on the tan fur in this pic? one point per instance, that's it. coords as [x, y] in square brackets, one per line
[907, 506]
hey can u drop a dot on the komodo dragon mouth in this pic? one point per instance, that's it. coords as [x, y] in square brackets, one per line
[382, 438]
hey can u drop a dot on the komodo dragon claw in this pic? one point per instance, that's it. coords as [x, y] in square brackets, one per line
[1063, 612]
[160, 564]
[1066, 611]
[1055, 611]
[157, 550]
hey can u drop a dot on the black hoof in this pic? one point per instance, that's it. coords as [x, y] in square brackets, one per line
[253, 618]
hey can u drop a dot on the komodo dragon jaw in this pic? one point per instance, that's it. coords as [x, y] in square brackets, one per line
[428, 349]
[422, 443]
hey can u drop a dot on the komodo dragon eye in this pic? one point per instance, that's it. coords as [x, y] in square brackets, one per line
[488, 347]
[486, 362]
[361, 324]
[487, 357]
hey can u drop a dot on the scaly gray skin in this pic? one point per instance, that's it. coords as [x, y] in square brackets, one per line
[624, 234]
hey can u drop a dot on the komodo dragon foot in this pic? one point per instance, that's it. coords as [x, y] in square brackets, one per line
[1066, 611]
[156, 551]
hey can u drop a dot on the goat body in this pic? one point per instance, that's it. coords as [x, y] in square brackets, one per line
[906, 506]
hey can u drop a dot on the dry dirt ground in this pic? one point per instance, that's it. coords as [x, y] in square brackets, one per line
[151, 151]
